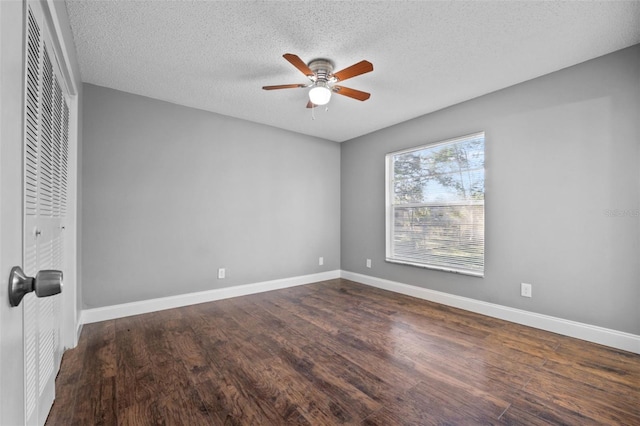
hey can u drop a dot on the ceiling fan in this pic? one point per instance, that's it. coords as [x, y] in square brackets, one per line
[323, 79]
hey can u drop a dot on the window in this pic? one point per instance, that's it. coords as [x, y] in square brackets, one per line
[435, 205]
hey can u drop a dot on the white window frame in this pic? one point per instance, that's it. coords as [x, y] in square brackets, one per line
[390, 208]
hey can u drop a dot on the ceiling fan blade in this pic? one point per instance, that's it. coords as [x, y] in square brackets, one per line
[284, 86]
[352, 93]
[361, 67]
[298, 63]
[311, 105]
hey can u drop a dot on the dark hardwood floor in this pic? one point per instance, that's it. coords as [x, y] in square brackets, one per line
[338, 352]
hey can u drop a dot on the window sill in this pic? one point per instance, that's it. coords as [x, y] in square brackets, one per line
[436, 268]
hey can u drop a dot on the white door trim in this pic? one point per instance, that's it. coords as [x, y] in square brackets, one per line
[11, 143]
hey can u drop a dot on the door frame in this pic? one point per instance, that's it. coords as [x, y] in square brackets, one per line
[11, 147]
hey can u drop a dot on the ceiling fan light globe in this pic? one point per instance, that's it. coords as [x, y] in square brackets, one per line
[319, 95]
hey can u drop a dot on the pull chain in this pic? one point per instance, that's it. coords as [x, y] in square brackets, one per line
[313, 113]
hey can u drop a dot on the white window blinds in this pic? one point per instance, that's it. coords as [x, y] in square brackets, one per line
[435, 206]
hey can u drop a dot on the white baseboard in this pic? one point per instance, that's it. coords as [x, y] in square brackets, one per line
[78, 332]
[145, 306]
[604, 336]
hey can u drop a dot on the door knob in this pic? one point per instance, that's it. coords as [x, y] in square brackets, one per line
[46, 283]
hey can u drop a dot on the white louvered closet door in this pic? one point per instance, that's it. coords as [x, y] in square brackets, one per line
[45, 202]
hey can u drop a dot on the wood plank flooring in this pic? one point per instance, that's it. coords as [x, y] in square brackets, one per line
[338, 352]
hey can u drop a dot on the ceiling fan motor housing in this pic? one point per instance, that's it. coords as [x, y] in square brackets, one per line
[322, 68]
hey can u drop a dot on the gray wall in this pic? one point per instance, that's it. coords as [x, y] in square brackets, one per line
[561, 150]
[170, 194]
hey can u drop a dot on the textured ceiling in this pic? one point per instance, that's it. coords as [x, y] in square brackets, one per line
[216, 55]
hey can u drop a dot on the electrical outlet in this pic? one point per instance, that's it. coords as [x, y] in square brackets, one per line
[525, 290]
[320, 261]
[221, 273]
[368, 263]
